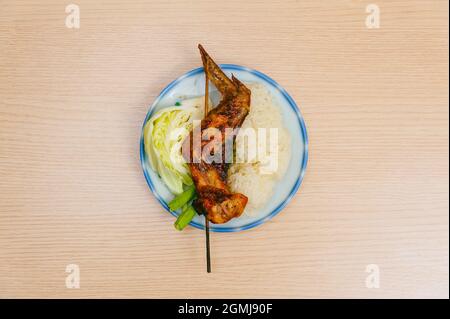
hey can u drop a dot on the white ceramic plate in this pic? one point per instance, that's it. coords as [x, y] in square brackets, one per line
[192, 84]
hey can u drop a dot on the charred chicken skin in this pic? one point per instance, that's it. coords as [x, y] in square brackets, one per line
[214, 197]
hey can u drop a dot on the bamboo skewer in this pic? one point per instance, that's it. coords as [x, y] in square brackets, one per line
[208, 253]
[208, 250]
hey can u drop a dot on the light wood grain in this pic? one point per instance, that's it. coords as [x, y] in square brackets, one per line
[375, 103]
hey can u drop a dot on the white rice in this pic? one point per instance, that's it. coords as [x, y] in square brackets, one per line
[246, 178]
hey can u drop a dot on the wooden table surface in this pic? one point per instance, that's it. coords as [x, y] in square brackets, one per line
[375, 102]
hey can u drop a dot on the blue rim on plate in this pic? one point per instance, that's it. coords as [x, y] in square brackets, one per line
[303, 163]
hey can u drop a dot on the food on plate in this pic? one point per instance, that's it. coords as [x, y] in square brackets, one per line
[225, 161]
[219, 190]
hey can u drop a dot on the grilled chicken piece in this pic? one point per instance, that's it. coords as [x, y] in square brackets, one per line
[214, 196]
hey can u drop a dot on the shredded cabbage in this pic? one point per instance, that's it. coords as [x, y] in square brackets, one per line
[164, 134]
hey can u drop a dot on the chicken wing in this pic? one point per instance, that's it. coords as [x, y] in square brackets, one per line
[214, 196]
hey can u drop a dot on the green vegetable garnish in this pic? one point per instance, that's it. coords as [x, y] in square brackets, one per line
[164, 134]
[182, 199]
[187, 212]
[185, 217]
